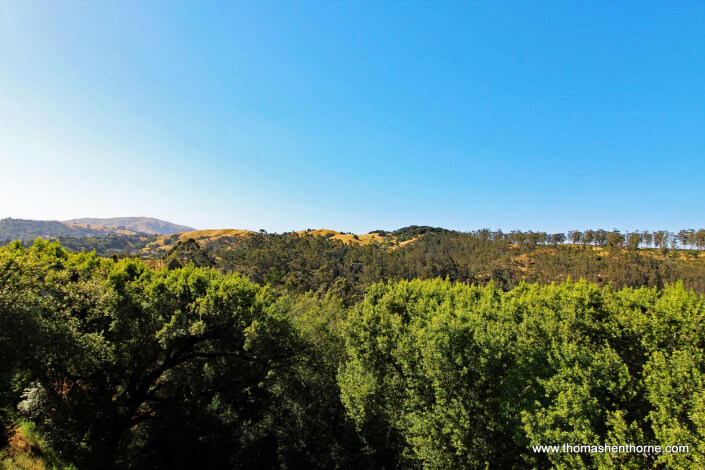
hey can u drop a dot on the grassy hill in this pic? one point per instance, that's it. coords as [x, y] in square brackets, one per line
[136, 224]
[346, 263]
[214, 240]
[26, 230]
[210, 239]
[328, 260]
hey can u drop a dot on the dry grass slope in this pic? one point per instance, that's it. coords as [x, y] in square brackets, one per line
[165, 242]
[27, 451]
[204, 237]
[362, 239]
[214, 234]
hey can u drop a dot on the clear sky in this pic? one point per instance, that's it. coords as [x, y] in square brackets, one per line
[355, 116]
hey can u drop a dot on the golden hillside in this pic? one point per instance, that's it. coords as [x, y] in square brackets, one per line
[165, 242]
[205, 237]
[360, 239]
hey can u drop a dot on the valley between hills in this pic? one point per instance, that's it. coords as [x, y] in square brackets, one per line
[322, 260]
[414, 348]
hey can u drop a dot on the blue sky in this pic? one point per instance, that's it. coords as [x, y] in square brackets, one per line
[355, 116]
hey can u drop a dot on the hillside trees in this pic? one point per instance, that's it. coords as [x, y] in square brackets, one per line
[575, 236]
[425, 382]
[614, 239]
[188, 251]
[600, 238]
[647, 238]
[139, 368]
[448, 376]
[18, 327]
[686, 237]
[300, 264]
[700, 239]
[633, 239]
[122, 366]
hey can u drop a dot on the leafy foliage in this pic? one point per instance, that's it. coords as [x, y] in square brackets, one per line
[300, 264]
[469, 376]
[152, 369]
[113, 364]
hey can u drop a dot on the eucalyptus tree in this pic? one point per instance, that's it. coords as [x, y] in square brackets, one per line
[647, 238]
[600, 238]
[614, 239]
[634, 239]
[700, 238]
[575, 236]
[682, 237]
[691, 238]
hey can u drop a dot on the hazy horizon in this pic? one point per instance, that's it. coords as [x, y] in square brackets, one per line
[343, 230]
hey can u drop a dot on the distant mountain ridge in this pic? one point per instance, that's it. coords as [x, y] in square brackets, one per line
[137, 224]
[27, 230]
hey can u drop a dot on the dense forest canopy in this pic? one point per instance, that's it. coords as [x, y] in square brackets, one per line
[346, 266]
[302, 263]
[110, 363]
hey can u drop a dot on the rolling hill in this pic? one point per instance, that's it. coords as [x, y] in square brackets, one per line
[223, 237]
[27, 230]
[230, 237]
[136, 224]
